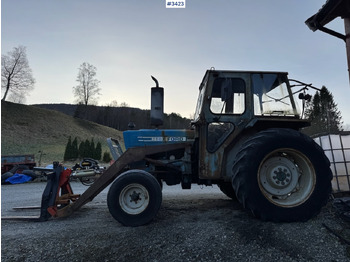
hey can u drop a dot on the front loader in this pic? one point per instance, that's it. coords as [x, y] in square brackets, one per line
[245, 138]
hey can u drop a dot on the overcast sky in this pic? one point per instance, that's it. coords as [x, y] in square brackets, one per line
[128, 41]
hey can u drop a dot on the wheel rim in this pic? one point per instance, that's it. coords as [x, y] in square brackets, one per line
[134, 199]
[286, 177]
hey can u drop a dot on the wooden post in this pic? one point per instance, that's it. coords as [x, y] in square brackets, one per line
[347, 34]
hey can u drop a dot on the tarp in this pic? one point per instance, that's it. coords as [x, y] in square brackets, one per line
[18, 179]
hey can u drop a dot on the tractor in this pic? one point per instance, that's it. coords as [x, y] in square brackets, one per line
[245, 138]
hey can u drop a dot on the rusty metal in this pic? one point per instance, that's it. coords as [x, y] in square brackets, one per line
[66, 198]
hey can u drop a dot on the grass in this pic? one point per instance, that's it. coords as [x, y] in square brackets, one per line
[29, 129]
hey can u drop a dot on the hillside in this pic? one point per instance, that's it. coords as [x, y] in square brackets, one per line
[28, 130]
[118, 117]
[68, 109]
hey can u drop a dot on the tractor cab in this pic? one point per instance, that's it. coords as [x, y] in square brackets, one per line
[231, 102]
[226, 95]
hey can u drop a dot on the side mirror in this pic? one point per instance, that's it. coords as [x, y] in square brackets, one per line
[306, 97]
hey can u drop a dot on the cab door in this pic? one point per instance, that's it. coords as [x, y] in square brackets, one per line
[225, 112]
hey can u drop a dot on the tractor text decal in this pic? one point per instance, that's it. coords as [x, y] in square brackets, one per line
[162, 139]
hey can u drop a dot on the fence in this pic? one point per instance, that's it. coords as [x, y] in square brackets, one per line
[337, 149]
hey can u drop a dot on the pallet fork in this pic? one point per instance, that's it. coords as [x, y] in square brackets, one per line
[57, 181]
[58, 199]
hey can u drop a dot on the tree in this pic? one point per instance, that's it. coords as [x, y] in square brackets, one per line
[81, 149]
[106, 157]
[75, 152]
[68, 150]
[86, 149]
[323, 113]
[98, 151]
[71, 151]
[124, 104]
[92, 149]
[87, 90]
[16, 75]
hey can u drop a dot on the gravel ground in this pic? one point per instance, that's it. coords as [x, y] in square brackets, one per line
[200, 224]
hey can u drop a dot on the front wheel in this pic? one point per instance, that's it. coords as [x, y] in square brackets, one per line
[282, 175]
[134, 198]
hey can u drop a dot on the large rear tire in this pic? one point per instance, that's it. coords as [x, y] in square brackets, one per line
[134, 198]
[227, 189]
[282, 175]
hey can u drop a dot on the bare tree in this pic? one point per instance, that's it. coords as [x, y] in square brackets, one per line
[87, 90]
[18, 98]
[124, 104]
[114, 103]
[16, 75]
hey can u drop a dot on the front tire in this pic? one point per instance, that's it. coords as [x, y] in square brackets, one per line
[134, 198]
[282, 175]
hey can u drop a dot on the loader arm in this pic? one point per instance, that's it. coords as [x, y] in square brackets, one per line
[131, 155]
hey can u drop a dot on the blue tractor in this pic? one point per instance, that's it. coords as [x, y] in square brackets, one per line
[245, 138]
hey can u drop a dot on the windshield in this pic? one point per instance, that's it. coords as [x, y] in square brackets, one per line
[272, 96]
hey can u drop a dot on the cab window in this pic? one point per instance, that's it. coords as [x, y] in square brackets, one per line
[228, 96]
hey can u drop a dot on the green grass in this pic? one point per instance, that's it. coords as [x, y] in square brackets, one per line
[28, 130]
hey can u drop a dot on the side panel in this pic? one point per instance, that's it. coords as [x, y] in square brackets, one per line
[149, 137]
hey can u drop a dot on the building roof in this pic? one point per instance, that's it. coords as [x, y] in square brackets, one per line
[328, 12]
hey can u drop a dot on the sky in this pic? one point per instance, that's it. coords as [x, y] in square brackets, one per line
[128, 41]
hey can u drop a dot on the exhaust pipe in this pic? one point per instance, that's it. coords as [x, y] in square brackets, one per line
[157, 103]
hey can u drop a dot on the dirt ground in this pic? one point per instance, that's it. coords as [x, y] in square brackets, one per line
[200, 224]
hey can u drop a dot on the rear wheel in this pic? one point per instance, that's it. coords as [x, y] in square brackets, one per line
[227, 189]
[134, 198]
[282, 175]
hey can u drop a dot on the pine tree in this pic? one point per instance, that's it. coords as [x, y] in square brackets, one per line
[75, 152]
[92, 149]
[86, 152]
[68, 150]
[81, 149]
[98, 151]
[323, 113]
[106, 157]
